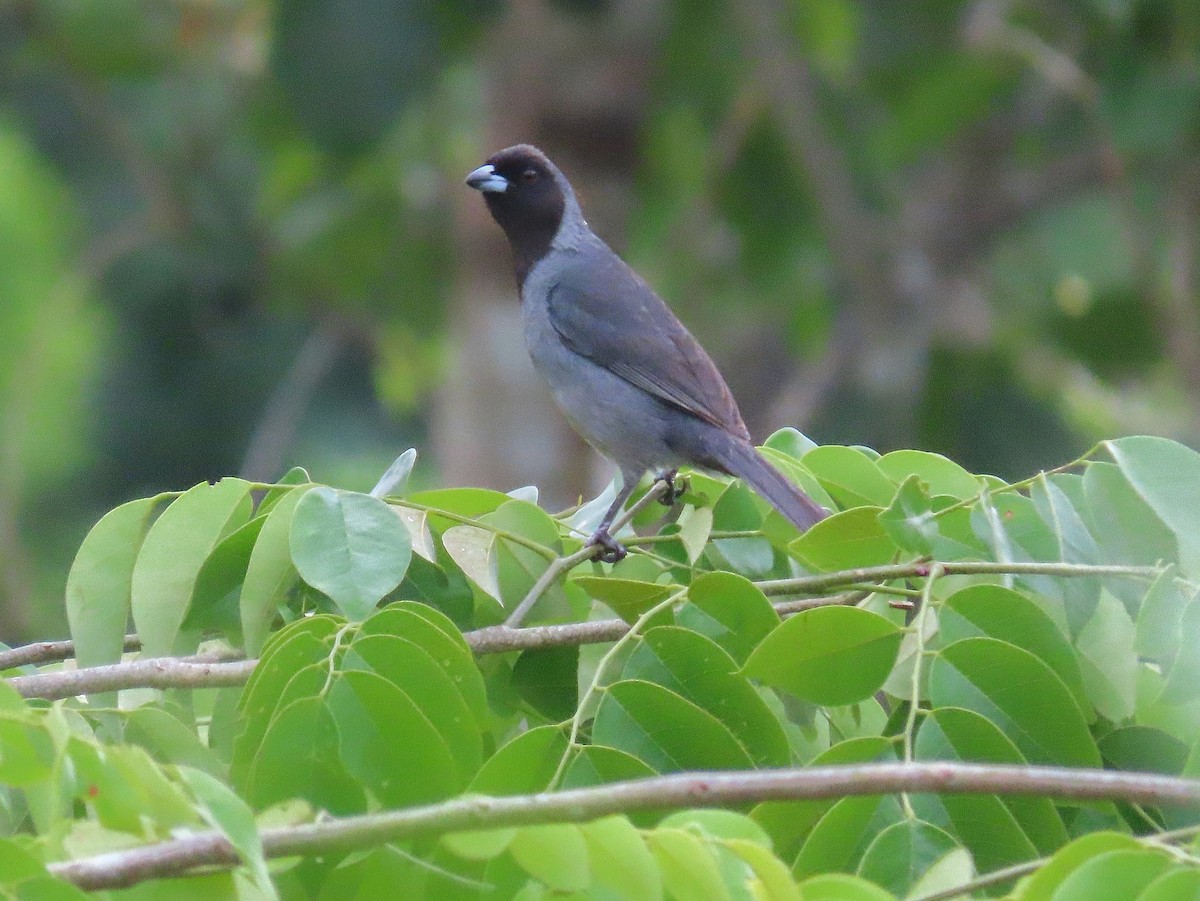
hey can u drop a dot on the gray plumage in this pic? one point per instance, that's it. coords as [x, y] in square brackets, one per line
[624, 370]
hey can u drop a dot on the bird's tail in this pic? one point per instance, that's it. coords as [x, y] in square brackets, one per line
[741, 459]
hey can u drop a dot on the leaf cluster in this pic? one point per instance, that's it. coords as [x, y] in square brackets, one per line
[938, 616]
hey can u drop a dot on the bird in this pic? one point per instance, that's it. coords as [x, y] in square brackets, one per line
[622, 368]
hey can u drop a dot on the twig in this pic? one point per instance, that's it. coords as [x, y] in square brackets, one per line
[177, 857]
[174, 673]
[156, 672]
[163, 672]
[914, 695]
[50, 652]
[594, 686]
[587, 552]
[1016, 871]
[920, 569]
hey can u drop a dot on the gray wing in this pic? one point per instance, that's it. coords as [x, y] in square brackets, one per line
[604, 311]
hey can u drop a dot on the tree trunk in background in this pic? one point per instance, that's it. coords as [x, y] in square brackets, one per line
[575, 86]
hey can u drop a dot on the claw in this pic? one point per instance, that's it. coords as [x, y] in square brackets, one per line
[612, 551]
[676, 487]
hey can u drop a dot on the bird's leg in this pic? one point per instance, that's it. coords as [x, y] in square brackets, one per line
[612, 551]
[676, 487]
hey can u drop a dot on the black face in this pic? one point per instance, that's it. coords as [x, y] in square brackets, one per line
[530, 207]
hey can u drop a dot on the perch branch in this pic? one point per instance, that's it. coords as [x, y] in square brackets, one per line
[177, 857]
[587, 552]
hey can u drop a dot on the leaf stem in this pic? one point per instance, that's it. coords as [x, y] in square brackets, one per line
[576, 721]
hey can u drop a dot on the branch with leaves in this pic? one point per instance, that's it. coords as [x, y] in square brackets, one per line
[167, 672]
[333, 835]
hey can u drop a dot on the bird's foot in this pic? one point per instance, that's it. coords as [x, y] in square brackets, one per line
[611, 550]
[676, 487]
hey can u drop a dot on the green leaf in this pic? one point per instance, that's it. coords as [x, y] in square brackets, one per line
[840, 837]
[27, 752]
[772, 878]
[998, 831]
[226, 812]
[899, 855]
[789, 822]
[293, 478]
[434, 632]
[599, 765]
[269, 573]
[828, 655]
[842, 887]
[627, 598]
[695, 525]
[1160, 618]
[524, 765]
[790, 441]
[940, 475]
[1173, 885]
[1017, 692]
[411, 668]
[388, 744]
[518, 566]
[846, 540]
[555, 853]
[1114, 874]
[171, 555]
[1125, 527]
[1183, 675]
[299, 757]
[1074, 545]
[665, 731]
[395, 479]
[1108, 660]
[996, 612]
[349, 546]
[479, 844]
[730, 610]
[718, 824]
[695, 668]
[474, 551]
[620, 860]
[851, 477]
[688, 866]
[271, 698]
[1143, 749]
[547, 679]
[1046, 879]
[909, 521]
[169, 740]
[98, 585]
[1166, 475]
[215, 597]
[470, 502]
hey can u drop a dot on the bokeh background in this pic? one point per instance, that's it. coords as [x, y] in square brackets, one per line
[234, 235]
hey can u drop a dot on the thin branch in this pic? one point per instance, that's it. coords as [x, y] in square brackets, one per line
[173, 672]
[156, 672]
[177, 857]
[170, 672]
[50, 652]
[594, 686]
[921, 569]
[587, 552]
[1016, 871]
[914, 695]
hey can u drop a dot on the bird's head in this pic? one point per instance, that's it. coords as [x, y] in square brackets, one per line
[528, 196]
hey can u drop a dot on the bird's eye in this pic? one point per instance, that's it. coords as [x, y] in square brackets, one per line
[529, 176]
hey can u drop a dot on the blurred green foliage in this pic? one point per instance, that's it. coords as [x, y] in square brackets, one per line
[985, 246]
